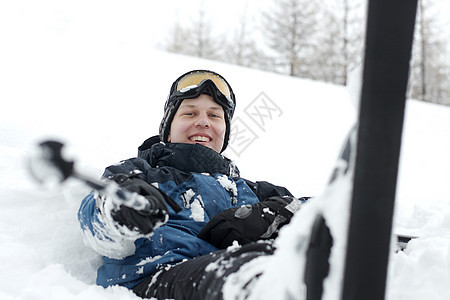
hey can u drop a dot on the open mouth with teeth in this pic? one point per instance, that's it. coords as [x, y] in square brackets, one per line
[199, 138]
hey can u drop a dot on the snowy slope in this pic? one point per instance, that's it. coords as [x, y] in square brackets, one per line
[42, 251]
[102, 91]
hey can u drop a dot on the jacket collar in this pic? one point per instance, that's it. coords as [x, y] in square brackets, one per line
[186, 157]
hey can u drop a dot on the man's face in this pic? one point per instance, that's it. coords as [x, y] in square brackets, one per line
[199, 120]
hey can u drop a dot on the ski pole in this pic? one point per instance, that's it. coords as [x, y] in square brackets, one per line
[49, 164]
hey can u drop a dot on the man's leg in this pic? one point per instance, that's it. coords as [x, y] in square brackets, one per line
[202, 277]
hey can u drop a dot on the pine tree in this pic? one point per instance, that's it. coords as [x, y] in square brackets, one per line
[429, 76]
[290, 28]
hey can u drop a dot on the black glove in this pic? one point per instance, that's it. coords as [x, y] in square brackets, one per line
[132, 212]
[250, 223]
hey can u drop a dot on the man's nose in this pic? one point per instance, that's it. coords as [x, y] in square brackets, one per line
[202, 120]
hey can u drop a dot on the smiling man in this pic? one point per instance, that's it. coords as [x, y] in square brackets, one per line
[199, 120]
[192, 91]
[164, 252]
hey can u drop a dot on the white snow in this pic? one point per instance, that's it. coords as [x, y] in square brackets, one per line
[148, 259]
[228, 184]
[196, 205]
[88, 74]
[197, 211]
[187, 197]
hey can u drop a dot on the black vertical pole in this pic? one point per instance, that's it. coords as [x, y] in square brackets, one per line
[390, 30]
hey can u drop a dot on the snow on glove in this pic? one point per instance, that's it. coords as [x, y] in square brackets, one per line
[250, 223]
[138, 206]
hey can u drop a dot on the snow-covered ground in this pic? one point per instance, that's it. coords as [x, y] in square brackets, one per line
[102, 91]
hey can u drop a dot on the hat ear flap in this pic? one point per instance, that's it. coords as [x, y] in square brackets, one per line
[170, 109]
[227, 134]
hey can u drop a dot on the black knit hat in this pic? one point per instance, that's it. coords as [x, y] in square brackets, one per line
[191, 85]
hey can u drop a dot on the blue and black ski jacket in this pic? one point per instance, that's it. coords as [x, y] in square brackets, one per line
[200, 180]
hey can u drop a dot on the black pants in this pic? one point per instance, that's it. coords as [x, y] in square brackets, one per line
[199, 278]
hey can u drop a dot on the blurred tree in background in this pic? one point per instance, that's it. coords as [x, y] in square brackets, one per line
[319, 40]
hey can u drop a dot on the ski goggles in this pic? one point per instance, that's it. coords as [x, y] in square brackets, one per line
[192, 81]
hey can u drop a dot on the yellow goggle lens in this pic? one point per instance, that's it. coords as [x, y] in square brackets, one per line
[195, 78]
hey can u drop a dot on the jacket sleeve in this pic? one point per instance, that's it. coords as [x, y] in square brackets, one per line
[264, 189]
[99, 234]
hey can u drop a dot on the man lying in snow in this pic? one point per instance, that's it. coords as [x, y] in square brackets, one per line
[164, 251]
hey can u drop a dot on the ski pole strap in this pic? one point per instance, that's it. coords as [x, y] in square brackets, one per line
[296, 204]
[284, 206]
[171, 202]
